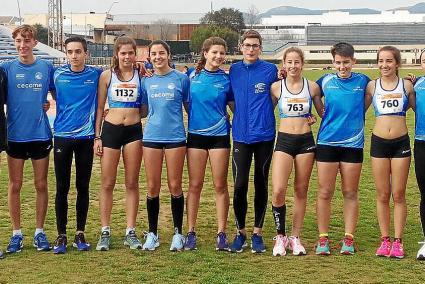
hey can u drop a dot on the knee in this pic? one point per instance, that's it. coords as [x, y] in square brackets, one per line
[41, 185]
[132, 186]
[221, 188]
[325, 194]
[15, 186]
[350, 194]
[383, 197]
[108, 184]
[175, 188]
[399, 197]
[301, 191]
[195, 187]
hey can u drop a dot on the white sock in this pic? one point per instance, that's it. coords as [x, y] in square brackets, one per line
[128, 230]
[17, 232]
[106, 229]
[38, 230]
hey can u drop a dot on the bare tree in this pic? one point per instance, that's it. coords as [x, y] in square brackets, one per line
[252, 17]
[165, 28]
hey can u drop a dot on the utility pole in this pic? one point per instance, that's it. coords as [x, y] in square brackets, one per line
[55, 24]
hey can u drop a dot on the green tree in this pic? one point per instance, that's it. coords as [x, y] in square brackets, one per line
[204, 32]
[42, 33]
[225, 17]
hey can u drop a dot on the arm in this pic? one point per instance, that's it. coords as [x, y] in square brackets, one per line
[368, 94]
[410, 93]
[316, 97]
[101, 100]
[275, 92]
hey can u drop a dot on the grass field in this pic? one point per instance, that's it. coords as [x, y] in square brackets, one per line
[120, 265]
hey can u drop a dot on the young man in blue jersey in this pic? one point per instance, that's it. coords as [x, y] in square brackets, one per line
[340, 143]
[76, 97]
[28, 131]
[253, 135]
[3, 92]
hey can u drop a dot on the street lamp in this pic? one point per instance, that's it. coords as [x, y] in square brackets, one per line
[19, 11]
[110, 7]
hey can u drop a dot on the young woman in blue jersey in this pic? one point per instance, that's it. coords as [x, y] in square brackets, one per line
[390, 152]
[3, 138]
[165, 93]
[419, 149]
[253, 133]
[295, 147]
[120, 131]
[28, 131]
[209, 137]
[76, 99]
[340, 143]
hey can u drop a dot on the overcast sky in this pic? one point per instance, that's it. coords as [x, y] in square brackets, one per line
[9, 7]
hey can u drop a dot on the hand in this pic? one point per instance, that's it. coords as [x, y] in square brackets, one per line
[411, 77]
[142, 69]
[98, 148]
[311, 120]
[105, 113]
[281, 74]
[46, 106]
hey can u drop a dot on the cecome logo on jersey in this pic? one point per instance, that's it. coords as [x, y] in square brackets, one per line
[35, 86]
[260, 88]
[38, 75]
[166, 96]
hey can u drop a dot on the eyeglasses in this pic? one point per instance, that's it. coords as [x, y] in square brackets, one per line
[248, 46]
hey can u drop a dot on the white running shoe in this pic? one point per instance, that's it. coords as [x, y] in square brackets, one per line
[177, 244]
[421, 251]
[294, 244]
[152, 241]
[280, 243]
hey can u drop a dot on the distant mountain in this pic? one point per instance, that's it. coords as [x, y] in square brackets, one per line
[415, 9]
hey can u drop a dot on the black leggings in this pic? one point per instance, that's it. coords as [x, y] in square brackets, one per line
[241, 164]
[419, 153]
[63, 151]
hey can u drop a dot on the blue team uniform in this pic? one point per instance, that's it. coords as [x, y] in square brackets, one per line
[209, 94]
[165, 95]
[76, 101]
[420, 109]
[28, 85]
[253, 119]
[343, 122]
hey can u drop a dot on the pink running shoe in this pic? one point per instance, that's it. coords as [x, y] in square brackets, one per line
[294, 244]
[397, 250]
[280, 243]
[385, 248]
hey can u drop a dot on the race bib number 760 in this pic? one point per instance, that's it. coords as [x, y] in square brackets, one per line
[389, 103]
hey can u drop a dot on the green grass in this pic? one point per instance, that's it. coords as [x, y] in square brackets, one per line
[121, 265]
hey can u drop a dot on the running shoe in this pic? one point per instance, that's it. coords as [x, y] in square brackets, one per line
[41, 242]
[190, 243]
[421, 252]
[322, 246]
[60, 244]
[257, 244]
[1, 254]
[397, 250]
[132, 241]
[280, 243]
[177, 244]
[385, 248]
[221, 242]
[80, 242]
[347, 246]
[294, 244]
[104, 241]
[152, 241]
[16, 243]
[239, 243]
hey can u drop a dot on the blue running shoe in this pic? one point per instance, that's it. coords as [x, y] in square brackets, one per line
[16, 243]
[80, 242]
[239, 243]
[60, 244]
[221, 243]
[257, 244]
[190, 243]
[41, 242]
[1, 255]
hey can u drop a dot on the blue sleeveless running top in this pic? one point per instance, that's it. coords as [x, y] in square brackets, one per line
[124, 94]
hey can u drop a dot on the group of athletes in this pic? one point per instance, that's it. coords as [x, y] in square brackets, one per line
[84, 128]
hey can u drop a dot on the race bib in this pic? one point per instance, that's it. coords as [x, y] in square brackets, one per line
[389, 103]
[295, 106]
[124, 92]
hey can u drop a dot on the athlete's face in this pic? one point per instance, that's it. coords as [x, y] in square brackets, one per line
[343, 65]
[159, 56]
[251, 49]
[126, 56]
[387, 64]
[24, 45]
[76, 55]
[293, 64]
[215, 57]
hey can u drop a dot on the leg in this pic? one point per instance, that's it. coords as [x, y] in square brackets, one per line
[420, 177]
[41, 167]
[132, 156]
[303, 168]
[399, 175]
[16, 168]
[196, 163]
[83, 170]
[350, 177]
[326, 175]
[108, 163]
[241, 164]
[381, 169]
[219, 161]
[63, 150]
